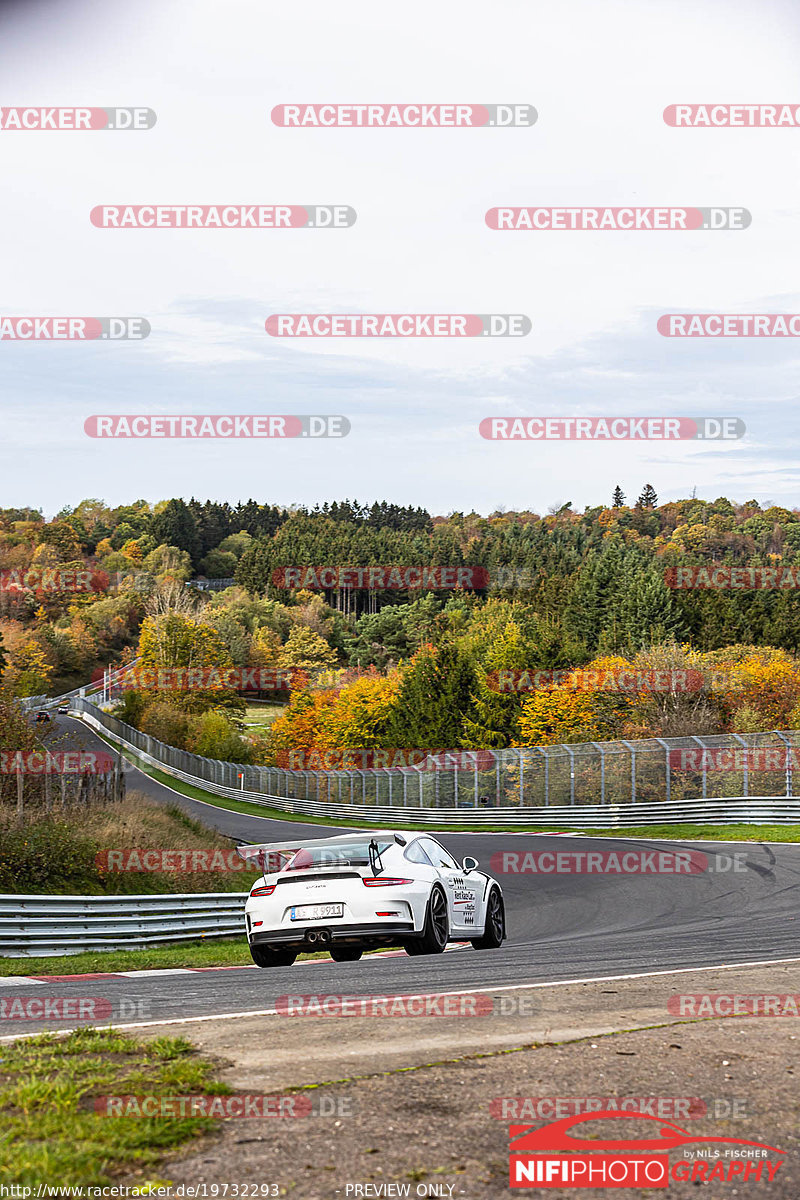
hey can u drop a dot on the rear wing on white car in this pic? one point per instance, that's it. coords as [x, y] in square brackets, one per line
[276, 856]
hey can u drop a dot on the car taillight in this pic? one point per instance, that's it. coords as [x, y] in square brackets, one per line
[383, 881]
[266, 890]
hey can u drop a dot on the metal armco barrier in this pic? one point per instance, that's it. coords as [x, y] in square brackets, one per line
[757, 810]
[522, 783]
[45, 926]
[28, 703]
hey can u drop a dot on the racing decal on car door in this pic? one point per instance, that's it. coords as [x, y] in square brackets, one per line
[464, 899]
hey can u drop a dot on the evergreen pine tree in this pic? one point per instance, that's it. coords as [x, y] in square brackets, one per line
[176, 525]
[434, 700]
[648, 498]
[647, 612]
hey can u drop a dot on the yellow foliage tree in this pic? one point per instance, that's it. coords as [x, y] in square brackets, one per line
[357, 717]
[586, 706]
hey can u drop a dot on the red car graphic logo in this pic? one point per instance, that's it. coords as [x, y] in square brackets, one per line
[556, 1136]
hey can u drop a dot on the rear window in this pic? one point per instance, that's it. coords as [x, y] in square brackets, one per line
[345, 854]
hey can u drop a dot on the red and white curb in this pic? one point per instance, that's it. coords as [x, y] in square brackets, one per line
[160, 972]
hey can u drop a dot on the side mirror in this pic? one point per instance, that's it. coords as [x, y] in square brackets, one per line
[469, 864]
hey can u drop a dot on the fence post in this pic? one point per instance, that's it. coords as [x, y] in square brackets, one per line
[632, 751]
[667, 769]
[539, 750]
[788, 746]
[598, 746]
[745, 766]
[702, 747]
[571, 754]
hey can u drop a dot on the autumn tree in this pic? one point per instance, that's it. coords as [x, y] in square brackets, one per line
[360, 713]
[306, 651]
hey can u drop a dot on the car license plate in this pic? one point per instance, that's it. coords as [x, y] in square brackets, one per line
[316, 912]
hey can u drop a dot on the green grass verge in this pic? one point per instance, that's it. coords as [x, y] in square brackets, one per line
[713, 833]
[227, 952]
[259, 717]
[223, 953]
[719, 833]
[48, 1085]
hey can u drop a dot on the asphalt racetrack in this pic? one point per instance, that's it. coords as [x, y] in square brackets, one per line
[745, 908]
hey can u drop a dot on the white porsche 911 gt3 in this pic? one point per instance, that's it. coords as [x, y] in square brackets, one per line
[350, 893]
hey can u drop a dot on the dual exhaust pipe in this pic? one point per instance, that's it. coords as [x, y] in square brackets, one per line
[320, 937]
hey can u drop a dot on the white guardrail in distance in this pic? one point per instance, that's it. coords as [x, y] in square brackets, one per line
[752, 810]
[27, 703]
[45, 926]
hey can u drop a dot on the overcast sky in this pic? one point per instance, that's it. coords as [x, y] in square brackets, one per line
[599, 75]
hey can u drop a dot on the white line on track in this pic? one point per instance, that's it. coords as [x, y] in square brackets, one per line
[509, 987]
[156, 971]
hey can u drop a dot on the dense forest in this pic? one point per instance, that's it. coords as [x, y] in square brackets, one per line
[410, 667]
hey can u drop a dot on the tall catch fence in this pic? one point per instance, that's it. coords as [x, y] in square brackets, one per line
[650, 771]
